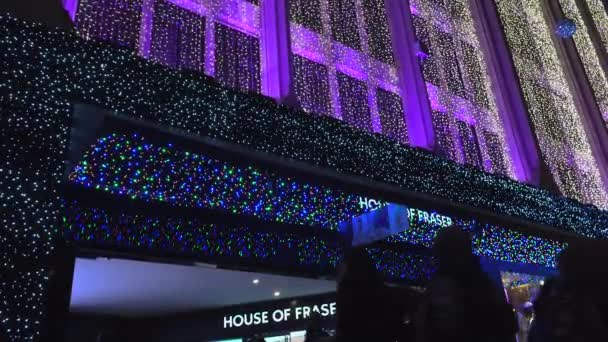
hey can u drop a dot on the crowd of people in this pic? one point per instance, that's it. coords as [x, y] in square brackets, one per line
[462, 303]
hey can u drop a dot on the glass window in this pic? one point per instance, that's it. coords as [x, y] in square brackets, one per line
[344, 23]
[378, 33]
[112, 21]
[237, 63]
[306, 13]
[493, 145]
[354, 103]
[312, 85]
[473, 69]
[392, 116]
[428, 59]
[443, 136]
[449, 60]
[178, 37]
[469, 143]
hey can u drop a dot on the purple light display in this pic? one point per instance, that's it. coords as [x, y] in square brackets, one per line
[342, 63]
[312, 85]
[458, 86]
[353, 100]
[178, 37]
[237, 59]
[113, 21]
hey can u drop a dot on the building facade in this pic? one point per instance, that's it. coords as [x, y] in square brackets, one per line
[257, 133]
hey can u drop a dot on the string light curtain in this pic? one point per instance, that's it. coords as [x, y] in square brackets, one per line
[353, 99]
[458, 85]
[113, 21]
[553, 112]
[306, 13]
[589, 56]
[351, 38]
[312, 85]
[599, 13]
[237, 63]
[344, 26]
[178, 37]
[378, 34]
[390, 108]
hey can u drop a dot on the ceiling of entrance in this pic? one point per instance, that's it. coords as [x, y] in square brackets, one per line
[137, 288]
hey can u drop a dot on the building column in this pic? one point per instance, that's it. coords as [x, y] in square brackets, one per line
[411, 82]
[523, 147]
[588, 110]
[277, 68]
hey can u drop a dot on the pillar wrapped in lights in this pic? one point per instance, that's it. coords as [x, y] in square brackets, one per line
[458, 85]
[553, 111]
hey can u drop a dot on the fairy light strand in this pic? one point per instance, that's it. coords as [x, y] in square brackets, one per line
[557, 124]
[589, 57]
[459, 84]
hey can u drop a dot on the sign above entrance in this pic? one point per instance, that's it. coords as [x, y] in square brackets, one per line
[280, 315]
[384, 219]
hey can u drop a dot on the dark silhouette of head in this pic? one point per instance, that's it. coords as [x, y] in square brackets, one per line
[315, 328]
[358, 271]
[454, 252]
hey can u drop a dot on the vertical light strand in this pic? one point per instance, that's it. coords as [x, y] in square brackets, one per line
[599, 13]
[496, 156]
[557, 124]
[589, 57]
[237, 59]
[458, 83]
[372, 83]
[178, 37]
[113, 21]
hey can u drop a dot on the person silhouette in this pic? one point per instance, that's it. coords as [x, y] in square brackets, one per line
[461, 303]
[364, 312]
[315, 332]
[571, 306]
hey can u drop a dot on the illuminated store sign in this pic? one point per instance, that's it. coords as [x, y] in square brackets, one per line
[414, 215]
[281, 315]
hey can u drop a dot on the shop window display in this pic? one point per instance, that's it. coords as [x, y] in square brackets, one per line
[522, 290]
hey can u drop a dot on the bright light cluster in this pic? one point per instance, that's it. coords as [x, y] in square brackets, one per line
[492, 242]
[133, 167]
[553, 111]
[458, 85]
[510, 246]
[409, 266]
[589, 56]
[21, 312]
[191, 237]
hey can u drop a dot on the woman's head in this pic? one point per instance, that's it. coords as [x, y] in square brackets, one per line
[453, 250]
[358, 268]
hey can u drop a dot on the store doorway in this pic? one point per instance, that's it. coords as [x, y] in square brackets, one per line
[132, 300]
